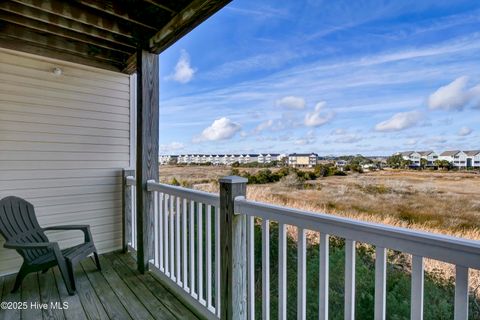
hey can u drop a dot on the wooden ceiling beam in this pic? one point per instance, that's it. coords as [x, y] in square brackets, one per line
[186, 20]
[69, 10]
[66, 33]
[61, 44]
[25, 46]
[111, 8]
[67, 24]
[161, 6]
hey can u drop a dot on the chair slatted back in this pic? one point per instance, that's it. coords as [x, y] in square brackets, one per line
[18, 224]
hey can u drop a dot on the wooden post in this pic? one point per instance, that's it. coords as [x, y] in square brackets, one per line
[233, 239]
[147, 152]
[126, 210]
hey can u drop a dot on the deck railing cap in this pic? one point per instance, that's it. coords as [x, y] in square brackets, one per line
[233, 179]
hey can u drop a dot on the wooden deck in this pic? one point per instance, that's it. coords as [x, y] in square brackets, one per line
[117, 292]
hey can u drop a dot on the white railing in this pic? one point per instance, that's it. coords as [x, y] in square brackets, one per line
[187, 244]
[130, 212]
[216, 276]
[464, 254]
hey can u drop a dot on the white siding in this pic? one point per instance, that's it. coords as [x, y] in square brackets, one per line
[63, 143]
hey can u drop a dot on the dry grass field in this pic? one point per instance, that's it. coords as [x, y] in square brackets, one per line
[433, 201]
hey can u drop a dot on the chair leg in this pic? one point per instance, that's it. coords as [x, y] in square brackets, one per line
[62, 265]
[71, 274]
[97, 261]
[20, 276]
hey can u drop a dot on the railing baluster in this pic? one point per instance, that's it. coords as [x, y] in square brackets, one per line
[208, 240]
[301, 275]
[380, 282]
[134, 218]
[349, 280]
[156, 230]
[282, 271]
[461, 293]
[177, 242]
[251, 267]
[416, 311]
[323, 294]
[166, 200]
[160, 231]
[200, 253]
[265, 269]
[191, 234]
[172, 239]
[217, 262]
[184, 245]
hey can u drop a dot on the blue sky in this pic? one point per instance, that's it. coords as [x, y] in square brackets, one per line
[332, 77]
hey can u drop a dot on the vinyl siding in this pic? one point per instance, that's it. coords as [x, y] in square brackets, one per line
[64, 141]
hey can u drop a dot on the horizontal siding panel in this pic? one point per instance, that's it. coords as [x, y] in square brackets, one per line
[65, 84]
[76, 199]
[64, 120]
[60, 138]
[61, 192]
[64, 141]
[67, 78]
[47, 65]
[6, 86]
[27, 164]
[63, 156]
[30, 108]
[61, 129]
[59, 183]
[26, 98]
[61, 147]
[58, 174]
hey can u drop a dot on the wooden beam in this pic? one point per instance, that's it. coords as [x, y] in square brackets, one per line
[34, 48]
[35, 25]
[161, 6]
[119, 9]
[55, 42]
[32, 13]
[70, 10]
[190, 17]
[126, 209]
[131, 65]
[147, 152]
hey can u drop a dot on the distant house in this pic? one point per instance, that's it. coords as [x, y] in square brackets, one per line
[306, 160]
[430, 156]
[413, 157]
[340, 164]
[473, 158]
[457, 158]
[163, 159]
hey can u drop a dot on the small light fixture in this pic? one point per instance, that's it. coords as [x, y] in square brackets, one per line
[57, 71]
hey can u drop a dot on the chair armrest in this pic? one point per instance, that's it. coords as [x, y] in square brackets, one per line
[38, 245]
[83, 227]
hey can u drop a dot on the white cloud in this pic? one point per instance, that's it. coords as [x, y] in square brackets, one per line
[318, 117]
[263, 126]
[291, 102]
[454, 96]
[400, 121]
[220, 129]
[171, 147]
[183, 71]
[464, 131]
[411, 142]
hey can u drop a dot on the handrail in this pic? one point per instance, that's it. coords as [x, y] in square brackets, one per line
[195, 195]
[440, 247]
[130, 181]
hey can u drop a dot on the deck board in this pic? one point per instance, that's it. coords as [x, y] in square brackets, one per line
[49, 294]
[119, 291]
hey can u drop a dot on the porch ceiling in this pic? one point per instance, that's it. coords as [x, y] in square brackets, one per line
[99, 33]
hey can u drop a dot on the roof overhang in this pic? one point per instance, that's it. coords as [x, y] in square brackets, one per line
[100, 33]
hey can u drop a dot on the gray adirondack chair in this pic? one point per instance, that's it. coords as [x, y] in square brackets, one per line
[20, 228]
